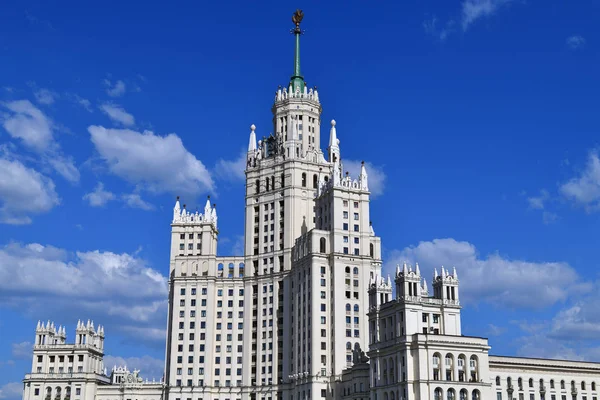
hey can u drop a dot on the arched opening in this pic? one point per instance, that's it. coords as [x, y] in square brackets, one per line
[530, 382]
[462, 365]
[474, 368]
[348, 346]
[355, 271]
[437, 394]
[267, 185]
[371, 249]
[230, 271]
[520, 383]
[449, 362]
[464, 394]
[241, 268]
[304, 179]
[582, 385]
[257, 186]
[476, 395]
[220, 270]
[315, 181]
[391, 369]
[322, 245]
[451, 394]
[593, 385]
[348, 307]
[282, 180]
[437, 366]
[497, 381]
[356, 308]
[347, 270]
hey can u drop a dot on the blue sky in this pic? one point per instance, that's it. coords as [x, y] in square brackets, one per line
[478, 120]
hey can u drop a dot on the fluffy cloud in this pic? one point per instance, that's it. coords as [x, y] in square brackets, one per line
[114, 90]
[36, 131]
[376, 176]
[118, 114]
[45, 96]
[495, 279]
[472, 10]
[23, 192]
[118, 290]
[575, 42]
[29, 124]
[232, 170]
[431, 27]
[155, 163]
[584, 190]
[134, 200]
[149, 367]
[11, 391]
[22, 350]
[99, 197]
[538, 202]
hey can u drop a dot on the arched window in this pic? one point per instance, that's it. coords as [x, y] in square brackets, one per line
[272, 182]
[582, 385]
[257, 184]
[348, 346]
[508, 382]
[347, 270]
[593, 385]
[520, 383]
[497, 381]
[355, 271]
[356, 308]
[541, 383]
[392, 395]
[530, 382]
[304, 179]
[449, 362]
[451, 394]
[371, 249]
[348, 307]
[241, 270]
[322, 245]
[464, 394]
[220, 270]
[562, 384]
[474, 368]
[476, 395]
[326, 179]
[437, 394]
[268, 185]
[230, 272]
[551, 383]
[315, 181]
[282, 180]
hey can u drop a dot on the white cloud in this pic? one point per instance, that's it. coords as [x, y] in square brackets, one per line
[85, 103]
[118, 114]
[495, 279]
[36, 131]
[29, 124]
[99, 197]
[11, 391]
[538, 202]
[22, 350]
[431, 28]
[472, 10]
[156, 163]
[149, 367]
[45, 96]
[23, 192]
[375, 174]
[575, 42]
[494, 330]
[114, 90]
[134, 200]
[232, 170]
[117, 290]
[584, 190]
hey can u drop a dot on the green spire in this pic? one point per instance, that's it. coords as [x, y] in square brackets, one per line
[297, 80]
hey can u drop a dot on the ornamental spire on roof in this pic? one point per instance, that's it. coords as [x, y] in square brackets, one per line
[297, 80]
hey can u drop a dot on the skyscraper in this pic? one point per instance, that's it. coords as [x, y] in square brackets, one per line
[263, 325]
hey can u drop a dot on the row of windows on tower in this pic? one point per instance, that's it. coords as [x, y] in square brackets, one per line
[563, 385]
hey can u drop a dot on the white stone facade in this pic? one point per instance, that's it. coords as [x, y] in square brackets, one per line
[417, 351]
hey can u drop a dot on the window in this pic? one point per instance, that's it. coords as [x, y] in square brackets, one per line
[355, 228]
[345, 226]
[356, 216]
[303, 179]
[345, 214]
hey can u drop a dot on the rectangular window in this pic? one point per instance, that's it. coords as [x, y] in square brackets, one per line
[345, 226]
[355, 228]
[345, 214]
[345, 239]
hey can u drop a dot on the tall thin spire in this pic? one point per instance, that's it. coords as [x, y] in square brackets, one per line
[297, 80]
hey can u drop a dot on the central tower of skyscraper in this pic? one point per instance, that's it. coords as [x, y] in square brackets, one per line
[265, 325]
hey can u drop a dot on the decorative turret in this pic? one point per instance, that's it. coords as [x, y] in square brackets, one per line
[445, 286]
[380, 291]
[363, 178]
[183, 216]
[408, 283]
[252, 141]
